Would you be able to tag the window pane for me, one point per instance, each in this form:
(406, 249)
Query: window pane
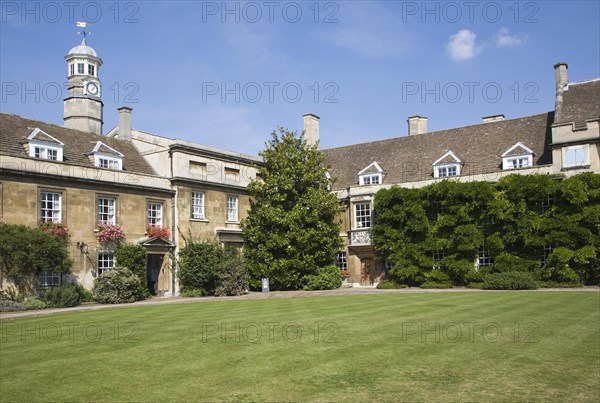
(155, 214)
(340, 261)
(106, 210)
(198, 205)
(106, 261)
(232, 208)
(50, 206)
(80, 69)
(362, 215)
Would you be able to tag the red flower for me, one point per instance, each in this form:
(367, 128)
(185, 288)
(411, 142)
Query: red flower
(158, 232)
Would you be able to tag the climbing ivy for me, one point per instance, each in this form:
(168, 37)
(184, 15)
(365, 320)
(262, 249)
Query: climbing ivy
(537, 223)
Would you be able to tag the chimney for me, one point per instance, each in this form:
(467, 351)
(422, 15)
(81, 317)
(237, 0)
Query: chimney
(493, 118)
(560, 75)
(311, 128)
(125, 123)
(417, 125)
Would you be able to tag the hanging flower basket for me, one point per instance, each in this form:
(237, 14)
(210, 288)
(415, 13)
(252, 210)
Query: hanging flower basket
(109, 234)
(55, 228)
(157, 231)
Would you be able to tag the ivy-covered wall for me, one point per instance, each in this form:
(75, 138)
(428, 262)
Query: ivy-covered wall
(453, 231)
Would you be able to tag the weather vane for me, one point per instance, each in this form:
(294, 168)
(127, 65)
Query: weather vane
(84, 32)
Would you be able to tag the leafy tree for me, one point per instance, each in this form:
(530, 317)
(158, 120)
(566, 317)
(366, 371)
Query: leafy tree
(199, 263)
(25, 252)
(290, 232)
(133, 257)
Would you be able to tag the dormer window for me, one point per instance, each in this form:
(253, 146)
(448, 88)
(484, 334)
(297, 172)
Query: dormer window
(44, 146)
(371, 175)
(517, 157)
(107, 157)
(448, 165)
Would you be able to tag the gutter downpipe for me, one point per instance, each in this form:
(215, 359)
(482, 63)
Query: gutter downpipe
(173, 227)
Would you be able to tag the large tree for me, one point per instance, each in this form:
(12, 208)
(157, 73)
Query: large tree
(290, 232)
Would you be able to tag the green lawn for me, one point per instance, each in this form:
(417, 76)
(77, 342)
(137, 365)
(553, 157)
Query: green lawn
(509, 346)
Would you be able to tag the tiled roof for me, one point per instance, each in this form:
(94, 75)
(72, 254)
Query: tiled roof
(410, 158)
(581, 101)
(14, 131)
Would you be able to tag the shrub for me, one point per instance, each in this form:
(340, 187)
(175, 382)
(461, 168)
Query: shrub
(512, 280)
(11, 306)
(34, 303)
(117, 286)
(437, 276)
(327, 278)
(199, 264)
(557, 284)
(85, 295)
(25, 252)
(133, 257)
(63, 296)
(506, 262)
(192, 293)
(233, 276)
(389, 285)
(436, 284)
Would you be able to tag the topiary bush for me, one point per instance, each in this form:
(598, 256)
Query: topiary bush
(62, 296)
(192, 293)
(133, 256)
(11, 306)
(117, 286)
(436, 285)
(34, 303)
(512, 280)
(390, 285)
(233, 276)
(199, 264)
(327, 278)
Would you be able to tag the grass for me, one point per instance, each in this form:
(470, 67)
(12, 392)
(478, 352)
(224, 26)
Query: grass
(509, 346)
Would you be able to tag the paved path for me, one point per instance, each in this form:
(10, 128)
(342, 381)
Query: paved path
(271, 295)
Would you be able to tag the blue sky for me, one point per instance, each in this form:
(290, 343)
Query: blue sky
(226, 74)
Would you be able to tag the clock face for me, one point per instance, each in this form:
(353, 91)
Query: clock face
(92, 88)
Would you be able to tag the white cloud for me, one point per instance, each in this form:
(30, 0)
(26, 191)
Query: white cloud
(504, 39)
(462, 46)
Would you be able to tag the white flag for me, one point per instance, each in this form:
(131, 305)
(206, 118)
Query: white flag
(81, 24)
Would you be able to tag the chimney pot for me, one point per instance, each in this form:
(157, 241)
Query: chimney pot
(311, 128)
(125, 123)
(417, 125)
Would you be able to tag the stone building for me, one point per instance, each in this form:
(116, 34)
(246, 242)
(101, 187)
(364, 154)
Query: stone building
(82, 178)
(564, 141)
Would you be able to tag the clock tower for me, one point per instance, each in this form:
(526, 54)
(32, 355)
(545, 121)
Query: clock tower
(83, 105)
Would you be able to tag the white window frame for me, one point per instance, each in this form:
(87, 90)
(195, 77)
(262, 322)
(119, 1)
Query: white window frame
(197, 204)
(107, 207)
(442, 171)
(232, 208)
(341, 260)
(106, 261)
(517, 161)
(80, 68)
(154, 214)
(111, 160)
(437, 257)
(371, 179)
(49, 279)
(54, 212)
(43, 147)
(584, 148)
(91, 70)
(72, 69)
(363, 215)
(484, 258)
(108, 162)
